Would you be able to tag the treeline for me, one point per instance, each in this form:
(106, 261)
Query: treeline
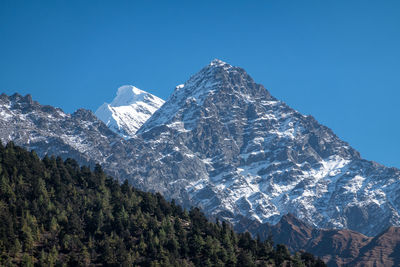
(56, 213)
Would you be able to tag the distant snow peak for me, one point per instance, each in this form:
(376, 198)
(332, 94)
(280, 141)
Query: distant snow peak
(129, 89)
(129, 110)
(128, 94)
(223, 143)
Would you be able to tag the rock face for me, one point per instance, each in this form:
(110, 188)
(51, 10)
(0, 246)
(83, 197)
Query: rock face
(129, 110)
(336, 247)
(383, 250)
(252, 156)
(223, 143)
(49, 130)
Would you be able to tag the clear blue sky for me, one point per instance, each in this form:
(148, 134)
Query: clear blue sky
(337, 60)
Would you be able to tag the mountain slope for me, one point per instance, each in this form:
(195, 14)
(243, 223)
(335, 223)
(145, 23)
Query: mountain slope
(383, 250)
(54, 212)
(129, 110)
(337, 247)
(49, 130)
(257, 158)
(223, 143)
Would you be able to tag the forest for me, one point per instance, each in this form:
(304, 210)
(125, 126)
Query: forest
(54, 212)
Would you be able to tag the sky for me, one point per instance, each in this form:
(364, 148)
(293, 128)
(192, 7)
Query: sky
(336, 60)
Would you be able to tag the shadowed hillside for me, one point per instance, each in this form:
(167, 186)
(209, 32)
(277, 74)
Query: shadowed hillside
(54, 212)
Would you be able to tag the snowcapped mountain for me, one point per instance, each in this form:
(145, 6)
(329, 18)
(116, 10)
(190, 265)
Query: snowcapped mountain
(224, 143)
(129, 110)
(258, 158)
(50, 131)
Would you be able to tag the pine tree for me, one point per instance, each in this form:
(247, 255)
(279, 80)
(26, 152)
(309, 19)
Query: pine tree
(56, 213)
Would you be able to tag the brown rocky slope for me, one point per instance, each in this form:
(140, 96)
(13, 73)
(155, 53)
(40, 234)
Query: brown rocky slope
(336, 247)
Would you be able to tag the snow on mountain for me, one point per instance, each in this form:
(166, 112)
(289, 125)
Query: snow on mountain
(224, 143)
(49, 130)
(260, 159)
(129, 110)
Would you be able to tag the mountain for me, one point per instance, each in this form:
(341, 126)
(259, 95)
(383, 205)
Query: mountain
(224, 143)
(57, 213)
(129, 110)
(252, 156)
(50, 131)
(337, 247)
(382, 250)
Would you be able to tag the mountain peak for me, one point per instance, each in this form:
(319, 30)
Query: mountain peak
(217, 82)
(129, 88)
(223, 143)
(216, 71)
(216, 75)
(129, 110)
(218, 62)
(128, 94)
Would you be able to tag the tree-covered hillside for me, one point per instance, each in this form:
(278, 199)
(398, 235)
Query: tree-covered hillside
(56, 213)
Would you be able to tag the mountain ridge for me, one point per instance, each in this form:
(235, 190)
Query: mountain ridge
(308, 148)
(336, 247)
(222, 142)
(55, 212)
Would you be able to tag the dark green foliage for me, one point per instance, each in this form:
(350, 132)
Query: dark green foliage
(55, 213)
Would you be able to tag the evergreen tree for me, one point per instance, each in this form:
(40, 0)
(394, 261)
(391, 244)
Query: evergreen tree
(56, 213)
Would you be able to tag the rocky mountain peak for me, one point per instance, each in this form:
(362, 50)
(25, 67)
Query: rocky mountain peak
(223, 143)
(218, 62)
(216, 87)
(48, 130)
(219, 75)
(26, 105)
(259, 158)
(17, 98)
